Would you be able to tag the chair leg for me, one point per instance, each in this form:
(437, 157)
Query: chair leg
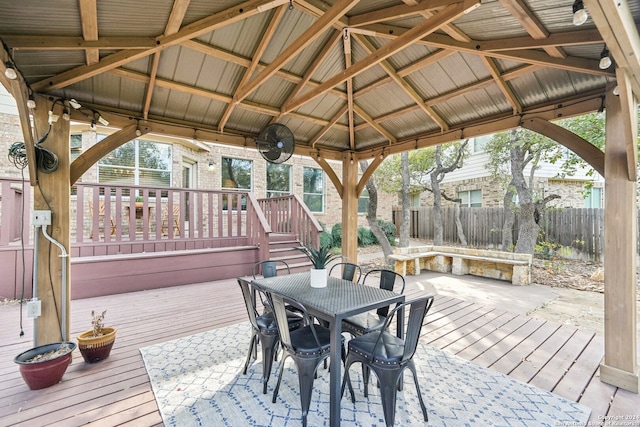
(412, 367)
(252, 345)
(346, 379)
(275, 390)
(388, 392)
(306, 373)
(269, 343)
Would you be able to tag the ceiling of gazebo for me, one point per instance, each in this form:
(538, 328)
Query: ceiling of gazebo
(344, 75)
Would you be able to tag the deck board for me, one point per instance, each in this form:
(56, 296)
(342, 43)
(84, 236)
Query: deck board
(557, 358)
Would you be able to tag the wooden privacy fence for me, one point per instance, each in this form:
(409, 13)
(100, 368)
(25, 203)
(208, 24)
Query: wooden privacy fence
(580, 232)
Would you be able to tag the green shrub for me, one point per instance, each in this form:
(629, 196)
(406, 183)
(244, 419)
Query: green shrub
(365, 237)
(336, 234)
(326, 239)
(389, 230)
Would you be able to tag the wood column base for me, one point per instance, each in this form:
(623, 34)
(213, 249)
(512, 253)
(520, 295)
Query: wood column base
(626, 380)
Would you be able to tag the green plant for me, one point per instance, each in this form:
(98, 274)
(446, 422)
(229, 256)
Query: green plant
(319, 257)
(336, 234)
(365, 237)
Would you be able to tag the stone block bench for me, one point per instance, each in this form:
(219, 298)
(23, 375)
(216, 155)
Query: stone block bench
(509, 266)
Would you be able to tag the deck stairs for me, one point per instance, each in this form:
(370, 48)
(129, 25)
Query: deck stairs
(282, 246)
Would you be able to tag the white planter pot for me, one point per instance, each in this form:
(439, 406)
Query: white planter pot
(318, 278)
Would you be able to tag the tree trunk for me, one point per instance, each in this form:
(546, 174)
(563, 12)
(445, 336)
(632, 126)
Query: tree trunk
(509, 220)
(527, 227)
(461, 236)
(372, 213)
(405, 224)
(437, 210)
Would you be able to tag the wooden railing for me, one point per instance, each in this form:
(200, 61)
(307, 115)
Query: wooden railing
(14, 218)
(288, 214)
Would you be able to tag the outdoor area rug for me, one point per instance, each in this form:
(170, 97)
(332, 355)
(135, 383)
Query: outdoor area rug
(198, 381)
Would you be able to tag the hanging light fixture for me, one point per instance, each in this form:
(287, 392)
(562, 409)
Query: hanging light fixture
(65, 114)
(580, 14)
(31, 103)
(75, 104)
(605, 60)
(10, 71)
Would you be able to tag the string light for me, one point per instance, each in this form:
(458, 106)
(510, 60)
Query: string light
(580, 14)
(605, 60)
(10, 71)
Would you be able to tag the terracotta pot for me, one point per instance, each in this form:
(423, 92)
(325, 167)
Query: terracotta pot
(44, 373)
(95, 349)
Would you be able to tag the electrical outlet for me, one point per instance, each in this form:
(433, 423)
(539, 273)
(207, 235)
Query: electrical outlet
(41, 218)
(34, 308)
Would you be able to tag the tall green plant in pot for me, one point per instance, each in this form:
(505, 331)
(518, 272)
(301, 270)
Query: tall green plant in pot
(319, 258)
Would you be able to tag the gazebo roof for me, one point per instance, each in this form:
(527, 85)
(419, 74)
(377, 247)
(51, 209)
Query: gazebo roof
(346, 76)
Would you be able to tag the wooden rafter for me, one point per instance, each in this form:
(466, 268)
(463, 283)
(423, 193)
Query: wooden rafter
(346, 40)
(531, 24)
(447, 15)
(313, 67)
(313, 32)
(218, 20)
(313, 141)
(405, 86)
(502, 85)
(374, 124)
(262, 46)
(89, 21)
(573, 38)
(450, 29)
(629, 111)
(396, 12)
(26, 43)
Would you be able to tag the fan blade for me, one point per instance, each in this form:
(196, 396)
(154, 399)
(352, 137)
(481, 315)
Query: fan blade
(272, 154)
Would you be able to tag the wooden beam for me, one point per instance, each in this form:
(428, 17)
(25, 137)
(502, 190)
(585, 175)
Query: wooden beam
(396, 12)
(583, 148)
(531, 24)
(504, 87)
(178, 10)
(450, 29)
(89, 20)
(620, 365)
(346, 39)
(313, 141)
(615, 22)
(151, 85)
(91, 156)
(53, 194)
(257, 54)
(51, 43)
(573, 38)
(447, 15)
(218, 20)
(350, 210)
(405, 86)
(374, 124)
(629, 106)
(326, 167)
(375, 162)
(306, 38)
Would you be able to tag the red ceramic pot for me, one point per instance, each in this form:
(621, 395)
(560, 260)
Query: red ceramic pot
(44, 373)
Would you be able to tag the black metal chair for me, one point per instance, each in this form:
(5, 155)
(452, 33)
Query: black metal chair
(264, 329)
(307, 346)
(269, 268)
(365, 323)
(388, 356)
(350, 271)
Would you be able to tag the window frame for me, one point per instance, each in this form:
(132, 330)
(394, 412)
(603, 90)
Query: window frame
(278, 193)
(321, 194)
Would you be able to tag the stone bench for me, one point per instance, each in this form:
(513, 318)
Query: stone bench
(512, 267)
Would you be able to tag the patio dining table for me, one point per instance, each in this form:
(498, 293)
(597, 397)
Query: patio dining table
(337, 301)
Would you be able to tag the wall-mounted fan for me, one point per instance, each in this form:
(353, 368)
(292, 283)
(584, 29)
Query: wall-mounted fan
(276, 143)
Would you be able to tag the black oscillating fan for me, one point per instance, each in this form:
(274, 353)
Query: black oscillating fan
(276, 143)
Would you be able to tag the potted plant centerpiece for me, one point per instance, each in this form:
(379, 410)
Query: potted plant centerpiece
(44, 366)
(319, 258)
(95, 344)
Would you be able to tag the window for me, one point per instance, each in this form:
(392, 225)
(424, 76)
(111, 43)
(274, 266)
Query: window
(313, 189)
(137, 163)
(363, 201)
(75, 145)
(236, 173)
(471, 198)
(414, 200)
(593, 198)
(479, 143)
(278, 180)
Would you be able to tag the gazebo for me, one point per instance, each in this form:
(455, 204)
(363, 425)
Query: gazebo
(352, 79)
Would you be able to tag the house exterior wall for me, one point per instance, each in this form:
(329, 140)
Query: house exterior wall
(10, 132)
(474, 176)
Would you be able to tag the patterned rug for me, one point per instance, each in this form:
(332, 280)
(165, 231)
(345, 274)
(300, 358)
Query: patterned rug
(198, 381)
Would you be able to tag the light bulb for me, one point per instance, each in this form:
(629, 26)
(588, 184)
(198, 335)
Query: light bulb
(65, 115)
(75, 104)
(103, 121)
(616, 91)
(93, 125)
(138, 132)
(31, 103)
(580, 14)
(53, 117)
(605, 63)
(10, 72)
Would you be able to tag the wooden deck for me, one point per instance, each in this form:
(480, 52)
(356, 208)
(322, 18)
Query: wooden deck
(117, 391)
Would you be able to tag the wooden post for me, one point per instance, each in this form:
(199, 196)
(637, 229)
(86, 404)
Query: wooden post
(350, 210)
(620, 366)
(53, 194)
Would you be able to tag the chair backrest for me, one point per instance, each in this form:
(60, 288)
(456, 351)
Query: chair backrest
(280, 311)
(248, 302)
(389, 280)
(350, 271)
(269, 268)
(418, 309)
